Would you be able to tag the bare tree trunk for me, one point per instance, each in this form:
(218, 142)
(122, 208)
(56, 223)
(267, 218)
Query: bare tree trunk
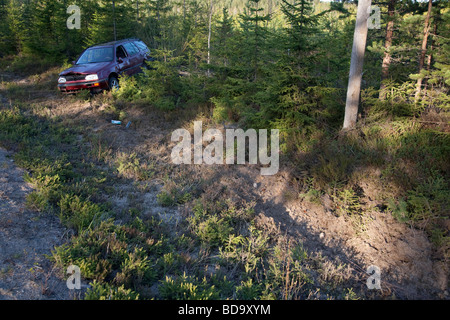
(356, 64)
(387, 47)
(426, 32)
(209, 33)
(137, 10)
(114, 19)
(430, 56)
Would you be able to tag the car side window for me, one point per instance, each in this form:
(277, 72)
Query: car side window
(120, 52)
(136, 48)
(132, 50)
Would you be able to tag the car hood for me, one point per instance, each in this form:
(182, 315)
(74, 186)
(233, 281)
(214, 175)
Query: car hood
(87, 68)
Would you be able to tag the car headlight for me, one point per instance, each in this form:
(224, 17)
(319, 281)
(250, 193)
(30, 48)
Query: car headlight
(62, 80)
(92, 77)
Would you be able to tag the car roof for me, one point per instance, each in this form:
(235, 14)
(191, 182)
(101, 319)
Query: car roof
(112, 43)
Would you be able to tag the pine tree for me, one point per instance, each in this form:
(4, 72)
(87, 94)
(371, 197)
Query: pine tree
(6, 43)
(302, 21)
(222, 47)
(255, 33)
(157, 24)
(46, 32)
(15, 24)
(112, 17)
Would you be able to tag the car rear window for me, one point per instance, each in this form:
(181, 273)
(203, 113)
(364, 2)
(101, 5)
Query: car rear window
(131, 49)
(141, 45)
(95, 55)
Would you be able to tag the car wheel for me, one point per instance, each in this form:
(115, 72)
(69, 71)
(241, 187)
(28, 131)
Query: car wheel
(113, 84)
(146, 65)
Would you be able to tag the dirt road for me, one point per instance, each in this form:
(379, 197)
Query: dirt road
(25, 238)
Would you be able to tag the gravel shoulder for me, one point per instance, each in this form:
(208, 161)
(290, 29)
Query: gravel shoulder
(26, 237)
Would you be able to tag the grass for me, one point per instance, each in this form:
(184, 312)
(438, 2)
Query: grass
(127, 258)
(412, 159)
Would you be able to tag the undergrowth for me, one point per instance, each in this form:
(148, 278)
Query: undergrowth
(216, 253)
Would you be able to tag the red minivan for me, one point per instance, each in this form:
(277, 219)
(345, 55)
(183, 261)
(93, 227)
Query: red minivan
(100, 66)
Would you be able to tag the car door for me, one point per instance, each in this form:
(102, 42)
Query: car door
(134, 56)
(145, 51)
(123, 60)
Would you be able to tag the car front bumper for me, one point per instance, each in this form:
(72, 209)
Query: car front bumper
(74, 86)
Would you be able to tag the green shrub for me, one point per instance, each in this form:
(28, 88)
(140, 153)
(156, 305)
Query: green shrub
(331, 170)
(245, 252)
(173, 195)
(214, 231)
(427, 202)
(286, 274)
(78, 213)
(129, 89)
(249, 290)
(346, 202)
(187, 288)
(48, 188)
(37, 201)
(135, 269)
(105, 291)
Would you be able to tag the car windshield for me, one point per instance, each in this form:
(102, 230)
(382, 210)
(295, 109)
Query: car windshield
(96, 55)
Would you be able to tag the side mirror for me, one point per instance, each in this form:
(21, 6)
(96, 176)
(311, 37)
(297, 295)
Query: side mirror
(119, 60)
(73, 62)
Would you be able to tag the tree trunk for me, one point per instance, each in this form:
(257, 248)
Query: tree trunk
(356, 64)
(137, 10)
(209, 33)
(426, 32)
(114, 19)
(387, 47)
(430, 56)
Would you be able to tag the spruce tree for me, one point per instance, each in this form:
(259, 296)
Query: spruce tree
(46, 32)
(109, 16)
(6, 43)
(15, 30)
(255, 33)
(156, 26)
(302, 23)
(222, 47)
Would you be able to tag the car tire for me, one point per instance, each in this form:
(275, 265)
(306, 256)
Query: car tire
(145, 66)
(113, 83)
